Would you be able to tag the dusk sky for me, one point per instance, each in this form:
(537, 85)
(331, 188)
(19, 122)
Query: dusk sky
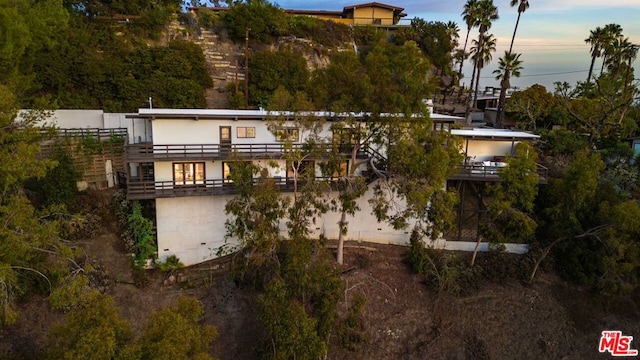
(550, 35)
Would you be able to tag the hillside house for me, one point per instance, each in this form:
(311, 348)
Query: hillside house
(373, 13)
(182, 164)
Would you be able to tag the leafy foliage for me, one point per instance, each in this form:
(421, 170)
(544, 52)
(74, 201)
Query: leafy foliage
(33, 257)
(270, 70)
(59, 185)
(94, 330)
(174, 333)
(321, 32)
(141, 230)
(265, 21)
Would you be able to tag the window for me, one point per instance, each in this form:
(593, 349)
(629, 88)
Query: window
(287, 134)
(345, 138)
(188, 173)
(245, 132)
(341, 171)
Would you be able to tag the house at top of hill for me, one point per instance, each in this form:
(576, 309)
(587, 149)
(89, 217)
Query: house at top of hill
(372, 13)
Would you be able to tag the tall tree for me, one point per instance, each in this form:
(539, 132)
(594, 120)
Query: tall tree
(470, 18)
(32, 254)
(611, 33)
(523, 5)
(509, 65)
(510, 215)
(487, 14)
(596, 39)
(482, 55)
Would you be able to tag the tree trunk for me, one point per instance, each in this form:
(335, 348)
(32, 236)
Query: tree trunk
(591, 232)
(504, 84)
(544, 254)
(513, 37)
(341, 225)
(464, 50)
(475, 251)
(593, 61)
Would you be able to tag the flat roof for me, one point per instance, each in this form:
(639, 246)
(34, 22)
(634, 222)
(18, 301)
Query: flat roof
(254, 114)
(493, 134)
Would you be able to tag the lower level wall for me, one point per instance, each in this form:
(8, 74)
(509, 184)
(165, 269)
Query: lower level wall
(193, 229)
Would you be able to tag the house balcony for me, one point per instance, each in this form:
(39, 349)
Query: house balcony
(147, 152)
(489, 171)
(146, 190)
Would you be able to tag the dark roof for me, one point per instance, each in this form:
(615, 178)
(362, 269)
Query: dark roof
(374, 4)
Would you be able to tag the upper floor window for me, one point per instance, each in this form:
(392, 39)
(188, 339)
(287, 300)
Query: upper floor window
(287, 134)
(245, 132)
(188, 173)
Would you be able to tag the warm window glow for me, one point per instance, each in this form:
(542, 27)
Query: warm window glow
(287, 134)
(188, 173)
(245, 132)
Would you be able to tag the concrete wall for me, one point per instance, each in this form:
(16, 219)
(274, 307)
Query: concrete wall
(75, 119)
(191, 228)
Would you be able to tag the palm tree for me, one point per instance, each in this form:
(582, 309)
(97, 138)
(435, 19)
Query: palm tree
(509, 65)
(522, 7)
(487, 12)
(482, 54)
(469, 16)
(612, 32)
(620, 51)
(596, 40)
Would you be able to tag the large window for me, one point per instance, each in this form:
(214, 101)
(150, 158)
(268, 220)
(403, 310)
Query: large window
(287, 134)
(188, 173)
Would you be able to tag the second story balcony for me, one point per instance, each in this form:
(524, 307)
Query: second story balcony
(148, 152)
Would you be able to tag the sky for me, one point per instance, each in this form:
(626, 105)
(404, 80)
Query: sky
(550, 35)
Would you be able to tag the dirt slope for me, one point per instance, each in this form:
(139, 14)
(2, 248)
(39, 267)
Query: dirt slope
(403, 318)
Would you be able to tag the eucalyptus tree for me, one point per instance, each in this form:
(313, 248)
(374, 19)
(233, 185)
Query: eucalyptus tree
(509, 65)
(470, 18)
(482, 51)
(523, 5)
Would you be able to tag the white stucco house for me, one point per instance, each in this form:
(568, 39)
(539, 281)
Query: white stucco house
(179, 159)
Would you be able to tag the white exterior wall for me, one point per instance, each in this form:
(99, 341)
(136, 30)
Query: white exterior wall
(191, 228)
(487, 149)
(70, 119)
(207, 131)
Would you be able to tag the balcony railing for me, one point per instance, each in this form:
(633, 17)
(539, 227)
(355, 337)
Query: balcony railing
(149, 152)
(480, 171)
(139, 190)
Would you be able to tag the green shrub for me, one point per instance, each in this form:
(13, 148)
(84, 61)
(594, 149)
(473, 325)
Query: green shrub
(351, 329)
(170, 265)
